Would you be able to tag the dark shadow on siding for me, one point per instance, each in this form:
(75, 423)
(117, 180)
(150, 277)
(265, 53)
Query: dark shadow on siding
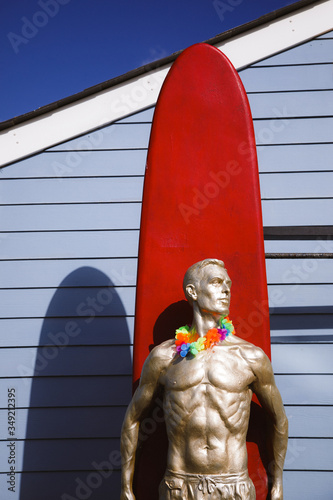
(309, 324)
(79, 395)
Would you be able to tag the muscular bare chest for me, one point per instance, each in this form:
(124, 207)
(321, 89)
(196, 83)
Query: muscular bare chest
(222, 367)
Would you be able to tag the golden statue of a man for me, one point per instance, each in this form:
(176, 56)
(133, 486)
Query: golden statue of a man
(208, 376)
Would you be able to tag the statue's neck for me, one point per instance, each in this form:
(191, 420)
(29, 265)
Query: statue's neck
(204, 321)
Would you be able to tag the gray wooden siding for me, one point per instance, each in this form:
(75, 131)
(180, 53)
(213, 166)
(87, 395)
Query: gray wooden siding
(68, 259)
(291, 99)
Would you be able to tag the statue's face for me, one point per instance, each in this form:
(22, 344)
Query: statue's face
(213, 290)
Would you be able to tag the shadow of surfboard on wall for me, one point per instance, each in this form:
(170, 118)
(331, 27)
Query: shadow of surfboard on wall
(79, 393)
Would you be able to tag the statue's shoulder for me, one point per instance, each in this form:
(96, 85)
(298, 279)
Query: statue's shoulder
(164, 347)
(163, 352)
(250, 352)
(158, 361)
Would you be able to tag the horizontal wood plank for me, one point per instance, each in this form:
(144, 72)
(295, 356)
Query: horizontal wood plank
(63, 455)
(302, 296)
(115, 136)
(66, 361)
(305, 359)
(89, 244)
(79, 217)
(65, 423)
(64, 485)
(31, 332)
(67, 302)
(299, 271)
(114, 189)
(294, 131)
(45, 392)
(309, 454)
(305, 389)
(310, 212)
(295, 158)
(313, 52)
(299, 246)
(305, 321)
(297, 232)
(291, 104)
(319, 334)
(68, 273)
(310, 421)
(78, 164)
(287, 78)
(299, 485)
(296, 185)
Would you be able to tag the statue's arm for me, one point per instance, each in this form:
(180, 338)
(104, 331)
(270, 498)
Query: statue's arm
(136, 412)
(269, 396)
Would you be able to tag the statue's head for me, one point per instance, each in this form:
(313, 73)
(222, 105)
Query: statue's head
(207, 286)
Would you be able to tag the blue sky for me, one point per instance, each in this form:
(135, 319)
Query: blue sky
(51, 49)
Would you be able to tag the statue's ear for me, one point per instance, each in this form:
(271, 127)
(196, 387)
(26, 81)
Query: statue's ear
(191, 292)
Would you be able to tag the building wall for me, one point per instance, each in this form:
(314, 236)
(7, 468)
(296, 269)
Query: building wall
(68, 247)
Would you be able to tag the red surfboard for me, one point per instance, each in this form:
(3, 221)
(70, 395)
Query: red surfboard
(201, 200)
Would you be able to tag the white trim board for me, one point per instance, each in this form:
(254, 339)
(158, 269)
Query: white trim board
(285, 33)
(137, 94)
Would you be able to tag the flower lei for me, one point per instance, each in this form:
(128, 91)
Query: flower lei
(188, 341)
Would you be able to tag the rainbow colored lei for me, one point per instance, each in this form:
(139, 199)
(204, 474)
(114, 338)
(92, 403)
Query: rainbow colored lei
(188, 341)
